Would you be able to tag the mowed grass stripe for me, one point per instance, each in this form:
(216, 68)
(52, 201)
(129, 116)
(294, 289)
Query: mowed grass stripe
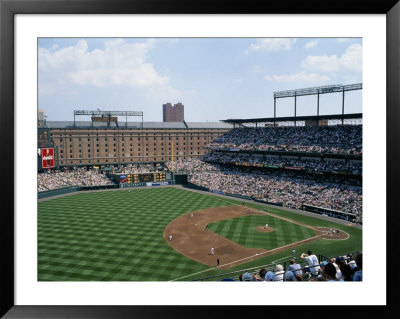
(242, 231)
(88, 232)
(118, 235)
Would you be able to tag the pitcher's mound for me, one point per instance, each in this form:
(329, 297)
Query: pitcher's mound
(262, 229)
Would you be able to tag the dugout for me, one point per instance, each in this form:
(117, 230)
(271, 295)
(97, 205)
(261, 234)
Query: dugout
(329, 212)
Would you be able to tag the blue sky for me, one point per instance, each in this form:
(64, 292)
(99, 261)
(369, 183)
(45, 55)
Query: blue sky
(215, 78)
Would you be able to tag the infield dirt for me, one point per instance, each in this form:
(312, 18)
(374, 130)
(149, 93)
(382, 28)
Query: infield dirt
(191, 238)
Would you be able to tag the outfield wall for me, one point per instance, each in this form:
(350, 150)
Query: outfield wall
(55, 192)
(67, 190)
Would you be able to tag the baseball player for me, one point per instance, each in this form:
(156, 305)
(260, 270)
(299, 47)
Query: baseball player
(212, 251)
(191, 215)
(294, 253)
(170, 237)
(266, 226)
(217, 262)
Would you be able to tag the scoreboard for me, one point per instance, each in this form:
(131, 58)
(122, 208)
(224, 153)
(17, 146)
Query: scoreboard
(145, 178)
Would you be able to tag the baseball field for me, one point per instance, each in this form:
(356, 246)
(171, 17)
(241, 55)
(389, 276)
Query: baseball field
(123, 235)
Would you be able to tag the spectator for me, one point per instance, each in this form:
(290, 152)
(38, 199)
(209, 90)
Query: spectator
(269, 276)
(262, 273)
(358, 274)
(337, 262)
(289, 276)
(296, 268)
(321, 276)
(330, 273)
(346, 271)
(279, 273)
(247, 276)
(313, 263)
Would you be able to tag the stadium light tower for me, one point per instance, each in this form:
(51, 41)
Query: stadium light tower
(108, 116)
(337, 88)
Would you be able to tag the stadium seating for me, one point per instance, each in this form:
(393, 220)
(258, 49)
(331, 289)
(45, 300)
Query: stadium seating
(76, 177)
(346, 139)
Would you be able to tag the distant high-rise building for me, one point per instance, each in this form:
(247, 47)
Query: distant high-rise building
(41, 116)
(173, 113)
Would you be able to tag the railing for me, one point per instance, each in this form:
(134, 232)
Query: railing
(270, 267)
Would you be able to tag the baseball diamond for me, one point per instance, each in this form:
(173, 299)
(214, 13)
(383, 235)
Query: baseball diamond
(192, 241)
(228, 186)
(123, 235)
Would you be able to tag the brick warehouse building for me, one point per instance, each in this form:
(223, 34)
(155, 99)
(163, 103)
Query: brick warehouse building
(90, 143)
(174, 113)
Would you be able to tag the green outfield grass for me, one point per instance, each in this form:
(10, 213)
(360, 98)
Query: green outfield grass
(242, 231)
(118, 235)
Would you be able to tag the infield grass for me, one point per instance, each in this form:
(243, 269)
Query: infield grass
(242, 231)
(118, 235)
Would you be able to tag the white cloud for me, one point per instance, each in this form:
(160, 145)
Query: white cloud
(271, 45)
(342, 39)
(311, 44)
(322, 63)
(351, 59)
(191, 92)
(298, 77)
(119, 63)
(172, 40)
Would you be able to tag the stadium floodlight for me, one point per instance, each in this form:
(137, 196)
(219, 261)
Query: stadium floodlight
(108, 113)
(108, 116)
(318, 90)
(337, 88)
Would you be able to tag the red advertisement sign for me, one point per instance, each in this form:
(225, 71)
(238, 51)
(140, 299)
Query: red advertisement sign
(47, 157)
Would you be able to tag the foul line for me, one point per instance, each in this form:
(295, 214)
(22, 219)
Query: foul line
(280, 247)
(256, 255)
(268, 251)
(274, 262)
(196, 273)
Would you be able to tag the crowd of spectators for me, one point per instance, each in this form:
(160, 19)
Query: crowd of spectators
(50, 180)
(290, 181)
(316, 165)
(340, 139)
(290, 192)
(190, 165)
(341, 268)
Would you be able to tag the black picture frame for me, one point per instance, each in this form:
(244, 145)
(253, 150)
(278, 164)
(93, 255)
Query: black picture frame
(8, 8)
